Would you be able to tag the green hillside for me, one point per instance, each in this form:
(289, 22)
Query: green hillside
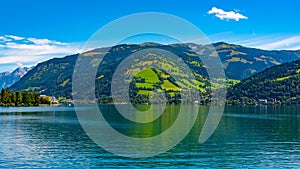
(54, 77)
(279, 84)
(148, 79)
(242, 62)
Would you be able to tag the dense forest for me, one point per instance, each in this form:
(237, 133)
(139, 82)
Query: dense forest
(278, 85)
(19, 98)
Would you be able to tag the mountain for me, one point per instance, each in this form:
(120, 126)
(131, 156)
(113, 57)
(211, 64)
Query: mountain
(278, 84)
(7, 79)
(242, 62)
(54, 77)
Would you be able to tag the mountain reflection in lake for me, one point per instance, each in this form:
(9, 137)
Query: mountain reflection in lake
(247, 137)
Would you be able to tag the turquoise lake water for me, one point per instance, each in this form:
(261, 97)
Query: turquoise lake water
(247, 137)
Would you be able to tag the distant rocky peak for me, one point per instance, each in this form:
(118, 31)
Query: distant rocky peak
(9, 78)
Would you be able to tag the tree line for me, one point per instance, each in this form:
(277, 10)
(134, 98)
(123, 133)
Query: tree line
(21, 98)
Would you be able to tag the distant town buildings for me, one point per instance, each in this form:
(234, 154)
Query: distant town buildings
(48, 99)
(53, 100)
(263, 101)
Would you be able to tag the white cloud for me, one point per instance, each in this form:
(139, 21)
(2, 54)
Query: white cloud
(265, 42)
(221, 14)
(290, 43)
(14, 37)
(30, 51)
(39, 41)
(19, 64)
(273, 42)
(45, 41)
(4, 39)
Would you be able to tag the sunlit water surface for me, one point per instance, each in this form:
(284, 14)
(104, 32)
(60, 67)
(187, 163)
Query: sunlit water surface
(247, 137)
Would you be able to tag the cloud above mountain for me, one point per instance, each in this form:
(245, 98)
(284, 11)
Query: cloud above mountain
(223, 15)
(16, 50)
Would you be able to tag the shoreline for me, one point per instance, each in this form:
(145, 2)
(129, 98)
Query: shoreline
(226, 105)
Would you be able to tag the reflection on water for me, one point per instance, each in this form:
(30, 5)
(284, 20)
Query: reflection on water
(247, 137)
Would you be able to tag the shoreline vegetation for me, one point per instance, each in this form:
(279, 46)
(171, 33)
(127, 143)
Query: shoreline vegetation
(70, 105)
(32, 99)
(18, 99)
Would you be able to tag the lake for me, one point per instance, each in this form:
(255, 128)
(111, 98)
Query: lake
(247, 137)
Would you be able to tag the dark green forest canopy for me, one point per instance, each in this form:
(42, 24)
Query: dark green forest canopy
(19, 98)
(278, 84)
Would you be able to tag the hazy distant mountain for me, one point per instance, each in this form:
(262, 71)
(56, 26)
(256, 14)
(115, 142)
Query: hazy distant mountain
(9, 78)
(54, 77)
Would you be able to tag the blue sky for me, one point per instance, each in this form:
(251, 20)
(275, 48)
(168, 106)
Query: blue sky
(34, 31)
